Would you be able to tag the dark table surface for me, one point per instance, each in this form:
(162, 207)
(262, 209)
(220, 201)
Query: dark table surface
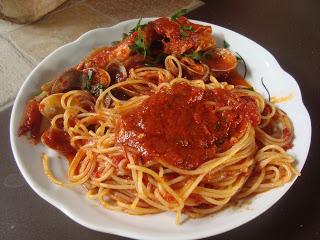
(290, 30)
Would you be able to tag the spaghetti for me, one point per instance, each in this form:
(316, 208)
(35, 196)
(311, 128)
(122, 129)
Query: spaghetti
(156, 141)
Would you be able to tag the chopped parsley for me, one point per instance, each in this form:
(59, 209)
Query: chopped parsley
(187, 28)
(195, 55)
(160, 58)
(139, 45)
(115, 42)
(156, 60)
(198, 56)
(138, 26)
(179, 13)
(88, 80)
(90, 72)
(98, 89)
(124, 35)
(38, 93)
(250, 89)
(226, 44)
(184, 34)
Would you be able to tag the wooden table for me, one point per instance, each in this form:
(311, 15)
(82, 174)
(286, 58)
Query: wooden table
(290, 30)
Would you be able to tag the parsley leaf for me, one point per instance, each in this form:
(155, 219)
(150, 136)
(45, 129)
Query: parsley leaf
(138, 26)
(183, 34)
(38, 93)
(115, 42)
(124, 35)
(179, 13)
(198, 56)
(250, 89)
(160, 58)
(139, 45)
(195, 55)
(188, 28)
(98, 89)
(226, 44)
(90, 72)
(154, 61)
(88, 81)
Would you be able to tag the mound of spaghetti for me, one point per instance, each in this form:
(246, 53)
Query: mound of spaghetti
(186, 135)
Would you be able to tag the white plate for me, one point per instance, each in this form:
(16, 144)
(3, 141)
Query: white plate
(161, 226)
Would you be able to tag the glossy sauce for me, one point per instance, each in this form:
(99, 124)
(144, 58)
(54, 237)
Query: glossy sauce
(186, 126)
(59, 140)
(178, 39)
(236, 79)
(221, 59)
(31, 121)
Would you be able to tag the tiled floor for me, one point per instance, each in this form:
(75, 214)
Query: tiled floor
(22, 47)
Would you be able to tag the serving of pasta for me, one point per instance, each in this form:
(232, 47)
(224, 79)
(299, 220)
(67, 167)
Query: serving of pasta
(162, 121)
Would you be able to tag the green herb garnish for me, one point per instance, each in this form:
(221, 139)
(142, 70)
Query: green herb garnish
(250, 89)
(160, 58)
(187, 28)
(124, 35)
(155, 61)
(179, 13)
(38, 93)
(88, 81)
(183, 34)
(99, 88)
(115, 42)
(139, 45)
(195, 55)
(226, 44)
(198, 56)
(138, 26)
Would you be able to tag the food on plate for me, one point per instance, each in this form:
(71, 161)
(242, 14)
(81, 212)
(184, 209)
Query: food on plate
(162, 121)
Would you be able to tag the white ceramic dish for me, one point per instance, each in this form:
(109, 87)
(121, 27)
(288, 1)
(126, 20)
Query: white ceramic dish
(162, 226)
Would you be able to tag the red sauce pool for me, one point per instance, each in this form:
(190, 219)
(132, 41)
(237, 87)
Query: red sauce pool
(186, 126)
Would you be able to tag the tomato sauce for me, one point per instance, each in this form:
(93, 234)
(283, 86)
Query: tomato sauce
(59, 140)
(181, 35)
(31, 120)
(221, 60)
(236, 79)
(186, 126)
